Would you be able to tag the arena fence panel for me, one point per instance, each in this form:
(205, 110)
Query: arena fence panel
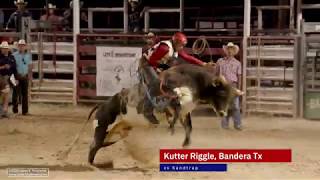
(52, 67)
(310, 68)
(271, 75)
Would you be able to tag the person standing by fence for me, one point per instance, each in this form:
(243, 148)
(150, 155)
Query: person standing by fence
(50, 16)
(7, 69)
(230, 68)
(24, 74)
(15, 20)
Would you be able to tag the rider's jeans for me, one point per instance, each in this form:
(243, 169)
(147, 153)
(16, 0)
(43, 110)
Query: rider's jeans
(153, 84)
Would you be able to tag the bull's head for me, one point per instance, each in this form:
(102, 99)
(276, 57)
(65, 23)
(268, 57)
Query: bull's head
(222, 95)
(123, 96)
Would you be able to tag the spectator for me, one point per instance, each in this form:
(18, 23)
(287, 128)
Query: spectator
(230, 68)
(24, 75)
(150, 39)
(15, 20)
(68, 18)
(7, 69)
(135, 14)
(51, 17)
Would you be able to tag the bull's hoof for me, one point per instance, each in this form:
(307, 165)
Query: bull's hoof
(186, 143)
(90, 159)
(172, 130)
(92, 154)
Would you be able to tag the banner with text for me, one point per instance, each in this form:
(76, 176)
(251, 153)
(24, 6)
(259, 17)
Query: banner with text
(225, 155)
(116, 68)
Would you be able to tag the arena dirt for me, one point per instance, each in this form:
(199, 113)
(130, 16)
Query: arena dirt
(37, 140)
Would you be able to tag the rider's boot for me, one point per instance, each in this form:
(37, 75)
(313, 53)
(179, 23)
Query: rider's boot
(151, 118)
(148, 112)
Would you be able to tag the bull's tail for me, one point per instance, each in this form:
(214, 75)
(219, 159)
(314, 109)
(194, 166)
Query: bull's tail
(92, 111)
(64, 154)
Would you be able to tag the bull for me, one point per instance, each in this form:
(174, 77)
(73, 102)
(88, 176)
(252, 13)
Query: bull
(194, 84)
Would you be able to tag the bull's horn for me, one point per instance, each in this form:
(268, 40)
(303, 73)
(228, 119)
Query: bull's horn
(220, 79)
(223, 79)
(238, 92)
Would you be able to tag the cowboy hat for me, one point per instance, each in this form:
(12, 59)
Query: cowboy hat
(150, 34)
(4, 45)
(51, 6)
(22, 42)
(232, 46)
(20, 2)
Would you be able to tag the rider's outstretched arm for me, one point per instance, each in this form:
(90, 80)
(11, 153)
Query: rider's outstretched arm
(193, 60)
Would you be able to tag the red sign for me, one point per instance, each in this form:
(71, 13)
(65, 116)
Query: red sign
(225, 155)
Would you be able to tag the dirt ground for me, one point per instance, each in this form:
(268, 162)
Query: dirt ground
(37, 140)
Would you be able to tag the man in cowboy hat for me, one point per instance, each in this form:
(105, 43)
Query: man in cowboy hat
(51, 17)
(150, 39)
(15, 20)
(67, 20)
(7, 69)
(24, 75)
(230, 68)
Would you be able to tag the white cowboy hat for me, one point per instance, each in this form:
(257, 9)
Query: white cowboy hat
(51, 6)
(150, 35)
(22, 42)
(232, 46)
(20, 2)
(130, 1)
(4, 45)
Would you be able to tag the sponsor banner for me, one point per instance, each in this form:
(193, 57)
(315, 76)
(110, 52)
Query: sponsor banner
(225, 155)
(116, 69)
(193, 167)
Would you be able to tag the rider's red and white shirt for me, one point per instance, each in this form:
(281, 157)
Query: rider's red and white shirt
(162, 51)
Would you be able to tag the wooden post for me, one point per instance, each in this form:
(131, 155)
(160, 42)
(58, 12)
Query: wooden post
(299, 16)
(76, 31)
(146, 21)
(291, 22)
(246, 35)
(90, 20)
(282, 13)
(125, 16)
(260, 19)
(302, 60)
(296, 69)
(181, 25)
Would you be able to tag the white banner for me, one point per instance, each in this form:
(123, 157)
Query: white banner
(116, 69)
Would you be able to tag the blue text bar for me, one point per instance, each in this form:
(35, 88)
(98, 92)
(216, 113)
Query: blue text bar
(193, 167)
